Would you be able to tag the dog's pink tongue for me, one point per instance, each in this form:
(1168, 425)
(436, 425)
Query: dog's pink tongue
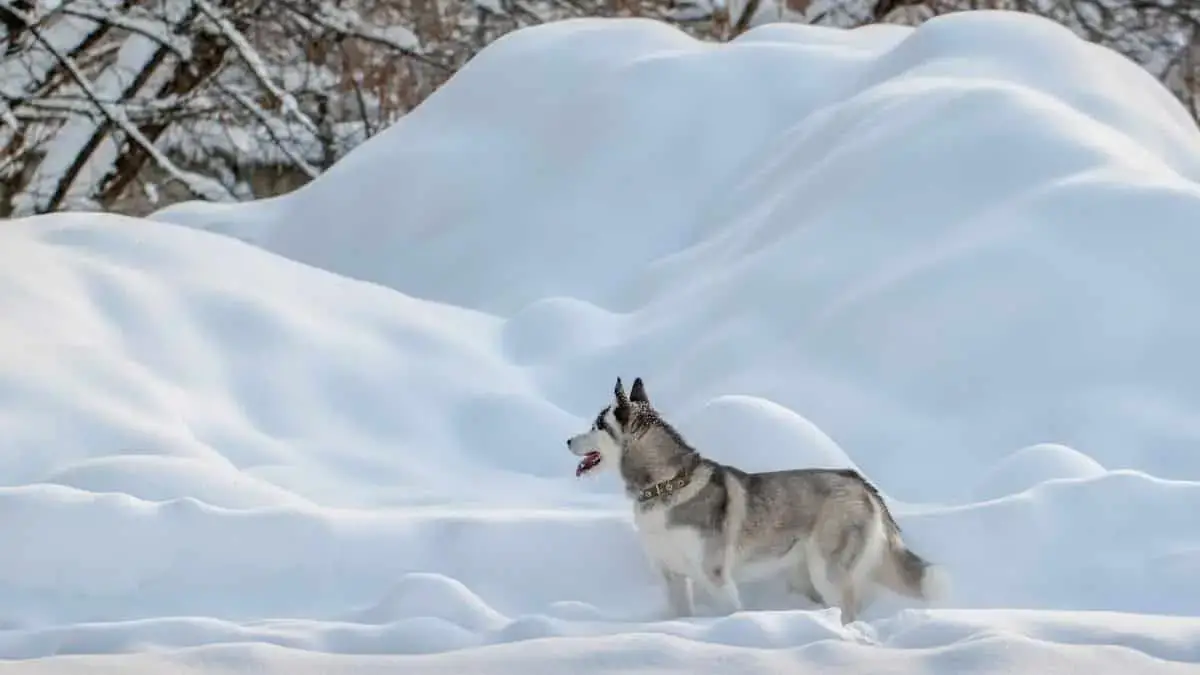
(589, 460)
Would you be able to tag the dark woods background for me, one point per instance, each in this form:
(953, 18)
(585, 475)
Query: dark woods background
(130, 105)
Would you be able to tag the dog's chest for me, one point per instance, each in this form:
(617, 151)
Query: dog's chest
(679, 549)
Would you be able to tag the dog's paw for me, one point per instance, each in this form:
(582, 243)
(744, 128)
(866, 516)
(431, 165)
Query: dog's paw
(860, 632)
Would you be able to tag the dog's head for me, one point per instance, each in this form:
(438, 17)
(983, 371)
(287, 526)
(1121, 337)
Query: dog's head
(602, 444)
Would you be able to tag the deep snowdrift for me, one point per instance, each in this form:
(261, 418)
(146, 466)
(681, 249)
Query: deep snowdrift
(959, 258)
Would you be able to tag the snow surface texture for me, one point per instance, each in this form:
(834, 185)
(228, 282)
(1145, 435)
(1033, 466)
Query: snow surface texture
(960, 258)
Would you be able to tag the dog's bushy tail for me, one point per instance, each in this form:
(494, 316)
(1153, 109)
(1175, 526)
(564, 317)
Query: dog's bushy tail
(907, 573)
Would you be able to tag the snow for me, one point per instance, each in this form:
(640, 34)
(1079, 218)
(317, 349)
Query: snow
(324, 432)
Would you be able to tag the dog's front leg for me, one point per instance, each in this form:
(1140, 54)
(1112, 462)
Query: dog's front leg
(679, 593)
(717, 575)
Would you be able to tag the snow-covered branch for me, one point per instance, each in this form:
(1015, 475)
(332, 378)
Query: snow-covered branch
(199, 186)
(119, 104)
(106, 101)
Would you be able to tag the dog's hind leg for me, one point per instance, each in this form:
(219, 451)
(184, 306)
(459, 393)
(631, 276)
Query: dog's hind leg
(850, 602)
(832, 555)
(800, 582)
(856, 557)
(818, 573)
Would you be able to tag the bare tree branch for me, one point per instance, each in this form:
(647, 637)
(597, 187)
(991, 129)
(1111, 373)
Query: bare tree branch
(201, 188)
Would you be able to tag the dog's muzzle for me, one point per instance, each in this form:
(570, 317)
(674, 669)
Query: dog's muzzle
(573, 444)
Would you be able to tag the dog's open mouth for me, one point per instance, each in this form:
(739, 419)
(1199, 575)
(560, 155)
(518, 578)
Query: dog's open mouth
(589, 462)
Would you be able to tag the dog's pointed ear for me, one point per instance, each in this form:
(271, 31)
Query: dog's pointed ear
(638, 393)
(619, 394)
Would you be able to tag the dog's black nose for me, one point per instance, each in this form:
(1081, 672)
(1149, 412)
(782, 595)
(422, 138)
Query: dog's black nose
(568, 442)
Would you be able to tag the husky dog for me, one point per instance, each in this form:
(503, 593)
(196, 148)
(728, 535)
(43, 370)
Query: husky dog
(706, 523)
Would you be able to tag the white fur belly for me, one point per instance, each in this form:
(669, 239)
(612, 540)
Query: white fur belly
(678, 549)
(758, 569)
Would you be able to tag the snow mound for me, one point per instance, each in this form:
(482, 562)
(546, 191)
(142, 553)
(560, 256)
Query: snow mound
(271, 384)
(950, 299)
(759, 435)
(1034, 465)
(162, 478)
(325, 431)
(554, 329)
(417, 594)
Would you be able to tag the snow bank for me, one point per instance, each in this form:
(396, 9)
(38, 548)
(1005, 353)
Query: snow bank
(340, 439)
(977, 235)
